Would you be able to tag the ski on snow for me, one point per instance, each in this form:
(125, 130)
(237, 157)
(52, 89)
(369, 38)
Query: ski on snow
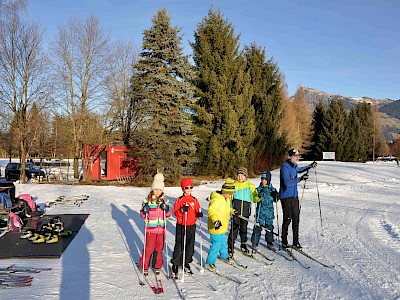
(238, 265)
(181, 290)
(154, 288)
(12, 269)
(224, 276)
(290, 253)
(278, 252)
(252, 256)
(314, 259)
(76, 200)
(14, 278)
(14, 283)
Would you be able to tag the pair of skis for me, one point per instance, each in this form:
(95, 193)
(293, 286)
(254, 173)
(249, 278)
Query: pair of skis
(75, 200)
(313, 258)
(14, 269)
(156, 288)
(10, 276)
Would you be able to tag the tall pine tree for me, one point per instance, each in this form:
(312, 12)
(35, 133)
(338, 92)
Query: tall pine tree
(332, 137)
(316, 148)
(224, 115)
(162, 82)
(269, 144)
(354, 149)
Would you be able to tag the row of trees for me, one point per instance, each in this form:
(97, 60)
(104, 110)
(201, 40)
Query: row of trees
(226, 108)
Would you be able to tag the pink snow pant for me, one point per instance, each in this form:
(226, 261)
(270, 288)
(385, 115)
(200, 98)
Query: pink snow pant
(154, 245)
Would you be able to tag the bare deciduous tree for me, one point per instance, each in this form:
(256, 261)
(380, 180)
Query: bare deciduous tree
(23, 73)
(124, 113)
(80, 58)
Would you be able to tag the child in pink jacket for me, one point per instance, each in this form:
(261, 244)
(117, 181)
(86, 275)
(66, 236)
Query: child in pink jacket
(154, 208)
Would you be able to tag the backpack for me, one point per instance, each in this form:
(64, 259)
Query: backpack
(5, 201)
(30, 209)
(29, 200)
(15, 222)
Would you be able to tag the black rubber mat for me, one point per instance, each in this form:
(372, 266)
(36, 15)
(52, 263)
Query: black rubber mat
(12, 246)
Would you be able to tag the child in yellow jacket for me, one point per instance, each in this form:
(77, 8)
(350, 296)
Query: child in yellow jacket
(219, 212)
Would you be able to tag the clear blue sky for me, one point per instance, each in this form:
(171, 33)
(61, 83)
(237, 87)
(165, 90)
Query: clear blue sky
(346, 47)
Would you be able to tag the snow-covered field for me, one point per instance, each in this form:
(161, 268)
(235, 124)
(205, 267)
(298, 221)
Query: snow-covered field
(360, 206)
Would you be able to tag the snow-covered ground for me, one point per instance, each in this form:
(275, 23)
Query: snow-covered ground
(360, 207)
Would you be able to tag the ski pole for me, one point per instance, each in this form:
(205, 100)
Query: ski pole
(201, 249)
(256, 224)
(144, 248)
(166, 244)
(184, 250)
(302, 193)
(319, 202)
(277, 220)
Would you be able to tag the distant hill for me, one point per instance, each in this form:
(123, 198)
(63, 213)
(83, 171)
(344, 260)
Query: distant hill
(390, 109)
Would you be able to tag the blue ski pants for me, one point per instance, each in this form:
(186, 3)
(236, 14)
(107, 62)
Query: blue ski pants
(219, 246)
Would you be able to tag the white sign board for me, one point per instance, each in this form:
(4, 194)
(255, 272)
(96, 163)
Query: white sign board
(328, 155)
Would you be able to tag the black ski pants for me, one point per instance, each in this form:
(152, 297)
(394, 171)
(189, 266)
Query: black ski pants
(177, 256)
(239, 225)
(291, 214)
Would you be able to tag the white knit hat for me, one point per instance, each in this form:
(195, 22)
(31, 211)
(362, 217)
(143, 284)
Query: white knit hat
(158, 182)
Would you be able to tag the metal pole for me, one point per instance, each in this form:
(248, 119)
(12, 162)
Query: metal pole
(319, 202)
(166, 244)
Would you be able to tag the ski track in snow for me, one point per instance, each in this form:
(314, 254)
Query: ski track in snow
(360, 236)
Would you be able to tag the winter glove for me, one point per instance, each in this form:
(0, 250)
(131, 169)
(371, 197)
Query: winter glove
(313, 164)
(217, 224)
(146, 209)
(185, 208)
(199, 214)
(164, 206)
(304, 177)
(275, 195)
(235, 213)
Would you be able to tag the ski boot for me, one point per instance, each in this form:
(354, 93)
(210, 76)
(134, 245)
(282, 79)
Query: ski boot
(271, 247)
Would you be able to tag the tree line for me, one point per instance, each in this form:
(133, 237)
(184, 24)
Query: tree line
(207, 113)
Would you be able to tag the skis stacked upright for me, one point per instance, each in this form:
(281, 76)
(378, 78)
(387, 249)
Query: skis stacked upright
(74, 200)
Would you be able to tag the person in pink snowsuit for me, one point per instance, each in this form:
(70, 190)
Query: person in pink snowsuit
(155, 209)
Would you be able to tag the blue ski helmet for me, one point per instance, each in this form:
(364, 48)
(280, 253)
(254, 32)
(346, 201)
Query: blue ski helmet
(266, 174)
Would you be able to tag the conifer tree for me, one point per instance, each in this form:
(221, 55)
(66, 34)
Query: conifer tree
(162, 83)
(269, 144)
(224, 115)
(316, 148)
(354, 149)
(367, 128)
(332, 135)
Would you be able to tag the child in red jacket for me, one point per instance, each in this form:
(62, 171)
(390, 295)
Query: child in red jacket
(187, 210)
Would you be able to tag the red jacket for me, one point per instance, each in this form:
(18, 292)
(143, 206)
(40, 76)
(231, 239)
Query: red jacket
(194, 208)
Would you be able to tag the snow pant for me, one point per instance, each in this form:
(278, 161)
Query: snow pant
(218, 246)
(291, 213)
(154, 246)
(239, 225)
(269, 236)
(177, 256)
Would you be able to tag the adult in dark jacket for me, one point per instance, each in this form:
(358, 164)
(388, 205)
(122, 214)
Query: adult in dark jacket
(289, 196)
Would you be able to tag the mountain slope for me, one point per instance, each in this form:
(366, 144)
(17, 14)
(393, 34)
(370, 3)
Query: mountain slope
(390, 109)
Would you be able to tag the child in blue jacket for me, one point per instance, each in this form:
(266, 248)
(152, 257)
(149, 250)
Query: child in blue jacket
(265, 212)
